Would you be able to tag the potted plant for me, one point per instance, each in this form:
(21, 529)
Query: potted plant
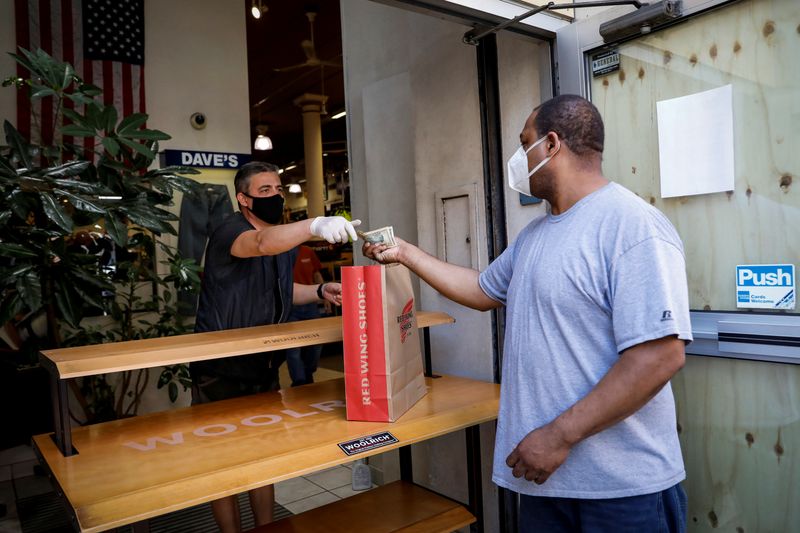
(50, 190)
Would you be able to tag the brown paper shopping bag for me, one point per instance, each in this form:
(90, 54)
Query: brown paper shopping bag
(383, 372)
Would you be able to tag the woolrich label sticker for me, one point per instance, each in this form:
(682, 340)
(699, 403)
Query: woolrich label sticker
(365, 444)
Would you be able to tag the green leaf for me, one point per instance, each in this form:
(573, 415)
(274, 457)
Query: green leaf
(140, 148)
(148, 220)
(7, 168)
(82, 186)
(8, 249)
(4, 217)
(68, 303)
(76, 130)
(68, 169)
(117, 229)
(18, 145)
(131, 123)
(9, 276)
(88, 296)
(55, 212)
(26, 59)
(90, 90)
(111, 145)
(41, 91)
(68, 77)
(11, 306)
(79, 202)
(109, 118)
(79, 98)
(94, 116)
(74, 116)
(29, 288)
(148, 135)
(90, 278)
(21, 203)
(173, 391)
(112, 164)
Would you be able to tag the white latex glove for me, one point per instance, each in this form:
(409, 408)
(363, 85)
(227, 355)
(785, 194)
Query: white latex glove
(334, 229)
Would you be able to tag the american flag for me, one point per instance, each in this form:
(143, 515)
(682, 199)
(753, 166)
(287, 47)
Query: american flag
(102, 39)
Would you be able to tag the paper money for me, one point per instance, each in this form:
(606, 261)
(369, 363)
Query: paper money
(379, 236)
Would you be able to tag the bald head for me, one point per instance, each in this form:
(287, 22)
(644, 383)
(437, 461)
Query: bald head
(576, 121)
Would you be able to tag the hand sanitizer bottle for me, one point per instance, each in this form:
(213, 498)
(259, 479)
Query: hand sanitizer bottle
(362, 478)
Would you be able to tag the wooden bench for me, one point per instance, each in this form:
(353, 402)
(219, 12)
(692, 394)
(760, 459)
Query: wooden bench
(127, 471)
(80, 361)
(398, 507)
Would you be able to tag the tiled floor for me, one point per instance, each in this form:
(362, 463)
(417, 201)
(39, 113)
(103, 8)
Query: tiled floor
(304, 493)
(18, 480)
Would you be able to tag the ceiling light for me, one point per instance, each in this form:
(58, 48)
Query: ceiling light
(280, 171)
(290, 167)
(295, 188)
(257, 9)
(262, 141)
(339, 115)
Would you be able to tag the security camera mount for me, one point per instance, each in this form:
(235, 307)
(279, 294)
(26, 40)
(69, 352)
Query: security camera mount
(198, 121)
(643, 20)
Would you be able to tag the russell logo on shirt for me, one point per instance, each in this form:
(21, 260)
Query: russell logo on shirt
(666, 315)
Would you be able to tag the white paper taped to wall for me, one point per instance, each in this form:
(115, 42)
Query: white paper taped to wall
(695, 143)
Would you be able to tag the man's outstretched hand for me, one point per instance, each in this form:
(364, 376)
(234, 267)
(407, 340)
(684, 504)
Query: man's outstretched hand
(382, 253)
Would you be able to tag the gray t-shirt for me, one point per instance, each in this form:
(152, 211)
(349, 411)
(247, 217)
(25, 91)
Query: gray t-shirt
(580, 288)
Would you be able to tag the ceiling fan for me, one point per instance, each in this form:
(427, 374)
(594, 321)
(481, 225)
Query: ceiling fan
(310, 50)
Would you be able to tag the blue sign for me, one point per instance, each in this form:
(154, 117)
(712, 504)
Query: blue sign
(191, 158)
(765, 286)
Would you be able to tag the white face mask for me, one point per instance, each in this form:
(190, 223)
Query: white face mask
(518, 175)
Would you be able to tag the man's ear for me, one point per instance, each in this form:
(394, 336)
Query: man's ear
(553, 142)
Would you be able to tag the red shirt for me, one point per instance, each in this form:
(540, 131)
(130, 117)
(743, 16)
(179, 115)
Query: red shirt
(306, 264)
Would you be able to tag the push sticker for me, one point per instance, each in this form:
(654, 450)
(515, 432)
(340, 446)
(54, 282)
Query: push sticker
(765, 287)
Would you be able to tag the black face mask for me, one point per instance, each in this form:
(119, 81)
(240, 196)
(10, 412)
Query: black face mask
(269, 208)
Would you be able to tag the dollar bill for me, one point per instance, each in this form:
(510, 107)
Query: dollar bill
(379, 236)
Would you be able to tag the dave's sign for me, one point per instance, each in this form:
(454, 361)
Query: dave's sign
(190, 158)
(765, 286)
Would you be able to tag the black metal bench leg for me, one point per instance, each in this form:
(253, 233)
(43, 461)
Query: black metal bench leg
(60, 396)
(474, 477)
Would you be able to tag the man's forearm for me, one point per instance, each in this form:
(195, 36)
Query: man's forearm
(640, 374)
(452, 281)
(278, 239)
(304, 294)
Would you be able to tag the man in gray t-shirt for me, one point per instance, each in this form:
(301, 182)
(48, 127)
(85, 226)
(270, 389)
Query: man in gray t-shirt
(597, 319)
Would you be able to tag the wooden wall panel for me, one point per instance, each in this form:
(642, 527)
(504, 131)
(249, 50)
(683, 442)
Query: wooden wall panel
(739, 424)
(751, 44)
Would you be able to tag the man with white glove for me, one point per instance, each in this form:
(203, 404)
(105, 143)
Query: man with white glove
(248, 281)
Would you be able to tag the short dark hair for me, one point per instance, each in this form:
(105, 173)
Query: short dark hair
(576, 121)
(242, 180)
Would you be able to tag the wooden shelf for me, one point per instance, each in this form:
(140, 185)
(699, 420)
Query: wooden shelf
(137, 468)
(393, 508)
(147, 353)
